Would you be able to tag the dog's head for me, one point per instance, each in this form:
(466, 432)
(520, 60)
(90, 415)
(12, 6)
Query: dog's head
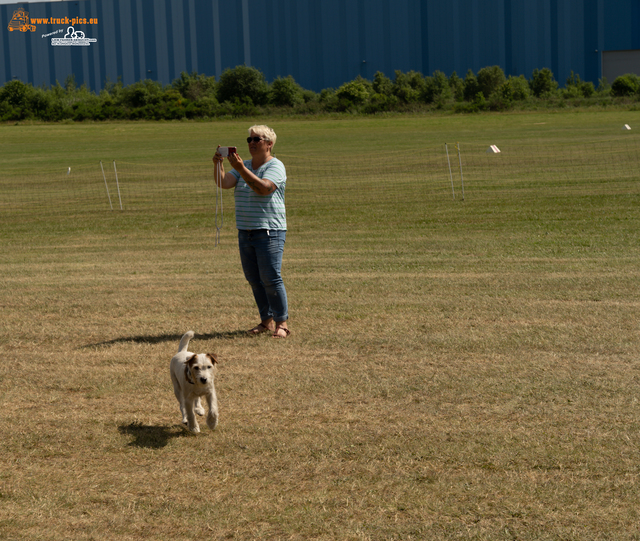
(198, 368)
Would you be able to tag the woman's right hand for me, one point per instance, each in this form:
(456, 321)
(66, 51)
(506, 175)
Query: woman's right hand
(217, 157)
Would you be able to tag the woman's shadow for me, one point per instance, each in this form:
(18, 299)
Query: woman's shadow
(149, 339)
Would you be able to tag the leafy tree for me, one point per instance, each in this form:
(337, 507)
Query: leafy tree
(244, 107)
(515, 89)
(285, 92)
(88, 108)
(70, 83)
(141, 93)
(471, 87)
(409, 87)
(327, 94)
(587, 88)
(15, 93)
(625, 85)
(542, 82)
(309, 96)
(242, 82)
(39, 103)
(436, 88)
(479, 102)
(603, 86)
(490, 79)
(354, 92)
(245, 90)
(382, 84)
(457, 86)
(380, 102)
(576, 88)
(194, 86)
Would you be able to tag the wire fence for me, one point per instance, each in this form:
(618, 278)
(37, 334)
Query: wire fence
(375, 180)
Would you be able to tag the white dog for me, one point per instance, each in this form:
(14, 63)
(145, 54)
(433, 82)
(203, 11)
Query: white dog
(192, 376)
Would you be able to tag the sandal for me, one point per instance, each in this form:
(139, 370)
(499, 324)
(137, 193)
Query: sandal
(259, 329)
(287, 332)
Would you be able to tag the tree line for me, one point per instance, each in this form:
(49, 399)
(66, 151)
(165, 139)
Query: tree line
(244, 91)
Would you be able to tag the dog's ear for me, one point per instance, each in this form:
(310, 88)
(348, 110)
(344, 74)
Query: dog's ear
(187, 374)
(213, 357)
(191, 360)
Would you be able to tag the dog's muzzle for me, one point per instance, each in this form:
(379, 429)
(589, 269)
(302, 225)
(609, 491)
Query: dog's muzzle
(203, 380)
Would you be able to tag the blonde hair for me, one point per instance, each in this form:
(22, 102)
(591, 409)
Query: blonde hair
(265, 132)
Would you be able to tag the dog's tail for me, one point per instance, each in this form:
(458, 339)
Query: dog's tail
(184, 343)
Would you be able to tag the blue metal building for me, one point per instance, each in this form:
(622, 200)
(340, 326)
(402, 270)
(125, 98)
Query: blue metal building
(320, 43)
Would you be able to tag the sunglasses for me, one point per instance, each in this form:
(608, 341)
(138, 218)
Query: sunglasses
(255, 139)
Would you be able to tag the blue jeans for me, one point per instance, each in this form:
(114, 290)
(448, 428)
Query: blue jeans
(261, 257)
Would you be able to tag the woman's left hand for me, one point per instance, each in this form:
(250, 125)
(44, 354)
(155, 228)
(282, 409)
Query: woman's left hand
(236, 162)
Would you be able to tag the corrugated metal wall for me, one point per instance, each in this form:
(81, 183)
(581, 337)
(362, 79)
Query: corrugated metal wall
(320, 43)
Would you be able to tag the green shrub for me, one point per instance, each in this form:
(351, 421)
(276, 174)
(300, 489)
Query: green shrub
(328, 99)
(479, 103)
(39, 103)
(244, 107)
(625, 85)
(285, 92)
(309, 96)
(8, 112)
(576, 88)
(514, 89)
(194, 86)
(355, 92)
(457, 86)
(587, 88)
(312, 107)
(409, 87)
(604, 88)
(246, 93)
(242, 83)
(15, 93)
(382, 84)
(490, 79)
(436, 88)
(205, 107)
(140, 94)
(379, 103)
(471, 87)
(542, 82)
(89, 108)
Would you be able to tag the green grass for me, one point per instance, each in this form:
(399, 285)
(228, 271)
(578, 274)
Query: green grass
(457, 370)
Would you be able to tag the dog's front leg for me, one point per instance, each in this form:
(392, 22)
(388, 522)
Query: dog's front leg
(212, 417)
(198, 407)
(192, 423)
(179, 397)
(183, 410)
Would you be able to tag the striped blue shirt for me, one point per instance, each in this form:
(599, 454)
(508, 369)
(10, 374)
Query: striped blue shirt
(255, 211)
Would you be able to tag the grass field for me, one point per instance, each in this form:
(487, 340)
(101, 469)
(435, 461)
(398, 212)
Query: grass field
(456, 370)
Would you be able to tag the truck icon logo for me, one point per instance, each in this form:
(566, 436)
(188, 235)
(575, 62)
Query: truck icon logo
(20, 21)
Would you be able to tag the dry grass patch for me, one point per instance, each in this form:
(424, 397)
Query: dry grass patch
(454, 372)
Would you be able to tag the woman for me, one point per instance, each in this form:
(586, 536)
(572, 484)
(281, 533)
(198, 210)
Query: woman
(261, 220)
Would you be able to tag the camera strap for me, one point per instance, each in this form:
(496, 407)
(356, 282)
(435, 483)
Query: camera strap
(219, 208)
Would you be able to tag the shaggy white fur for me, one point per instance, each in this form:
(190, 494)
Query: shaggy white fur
(192, 376)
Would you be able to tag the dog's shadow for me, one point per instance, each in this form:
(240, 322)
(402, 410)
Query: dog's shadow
(157, 437)
(146, 339)
(152, 437)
